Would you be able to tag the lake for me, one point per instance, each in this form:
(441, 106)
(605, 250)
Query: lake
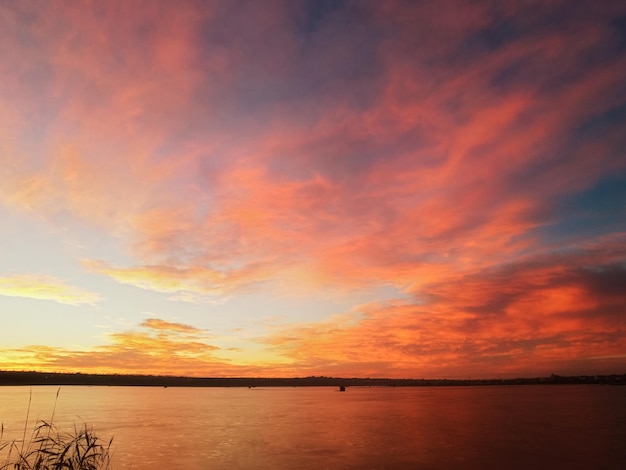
(514, 427)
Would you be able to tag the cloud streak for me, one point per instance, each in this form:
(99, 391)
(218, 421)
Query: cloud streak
(40, 287)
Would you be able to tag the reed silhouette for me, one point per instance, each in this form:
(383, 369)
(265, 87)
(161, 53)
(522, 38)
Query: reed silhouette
(50, 449)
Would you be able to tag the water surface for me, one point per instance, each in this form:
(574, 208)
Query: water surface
(537, 426)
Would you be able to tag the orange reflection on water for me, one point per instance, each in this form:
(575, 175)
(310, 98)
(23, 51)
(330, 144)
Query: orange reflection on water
(318, 427)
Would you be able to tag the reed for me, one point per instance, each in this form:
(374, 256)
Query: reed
(50, 449)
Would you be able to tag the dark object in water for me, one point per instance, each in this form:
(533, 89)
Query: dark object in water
(342, 388)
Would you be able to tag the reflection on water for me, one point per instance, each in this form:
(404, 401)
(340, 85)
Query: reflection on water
(431, 428)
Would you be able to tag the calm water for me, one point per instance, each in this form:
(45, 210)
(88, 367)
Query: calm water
(310, 428)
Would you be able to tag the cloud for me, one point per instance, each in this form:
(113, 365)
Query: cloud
(157, 324)
(35, 286)
(194, 284)
(440, 171)
(155, 347)
(430, 148)
(433, 144)
(529, 317)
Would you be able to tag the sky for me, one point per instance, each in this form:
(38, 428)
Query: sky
(418, 189)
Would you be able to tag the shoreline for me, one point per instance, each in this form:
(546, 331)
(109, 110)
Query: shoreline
(13, 378)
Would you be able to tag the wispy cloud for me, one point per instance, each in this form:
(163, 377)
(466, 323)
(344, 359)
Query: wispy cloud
(192, 284)
(35, 286)
(157, 324)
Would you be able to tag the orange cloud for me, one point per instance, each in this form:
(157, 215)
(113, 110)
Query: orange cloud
(157, 324)
(35, 286)
(156, 347)
(525, 318)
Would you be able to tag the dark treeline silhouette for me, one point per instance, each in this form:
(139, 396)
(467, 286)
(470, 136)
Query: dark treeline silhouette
(48, 378)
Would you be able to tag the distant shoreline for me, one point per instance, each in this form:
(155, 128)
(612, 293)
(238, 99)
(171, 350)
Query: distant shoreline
(12, 378)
